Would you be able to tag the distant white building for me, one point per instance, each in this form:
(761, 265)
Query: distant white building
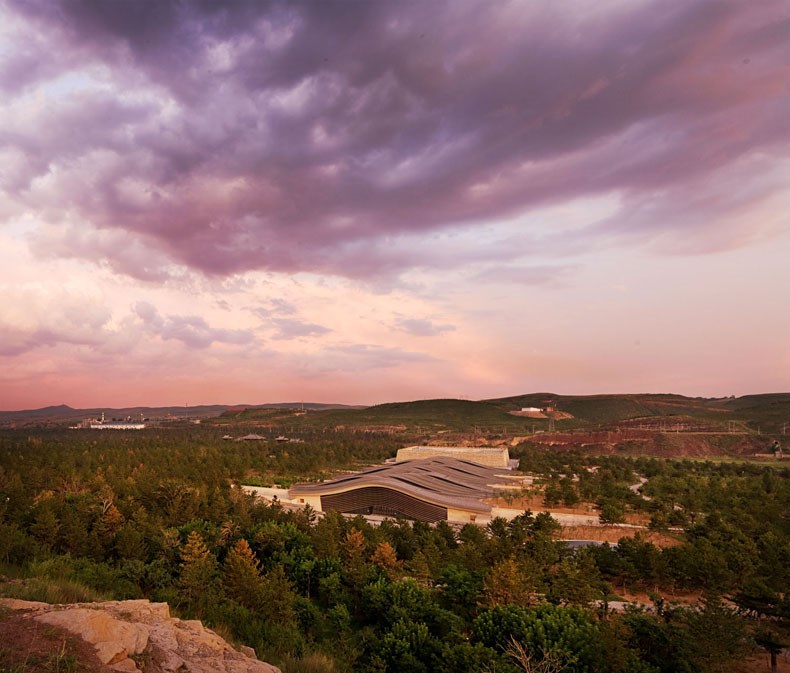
(102, 424)
(117, 426)
(531, 409)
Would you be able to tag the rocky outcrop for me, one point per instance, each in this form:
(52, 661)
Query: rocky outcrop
(132, 636)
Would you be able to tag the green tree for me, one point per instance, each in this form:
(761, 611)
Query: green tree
(611, 511)
(567, 634)
(772, 641)
(719, 636)
(241, 575)
(198, 572)
(45, 527)
(577, 581)
(508, 584)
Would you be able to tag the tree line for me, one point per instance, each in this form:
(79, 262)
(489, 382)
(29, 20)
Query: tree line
(159, 515)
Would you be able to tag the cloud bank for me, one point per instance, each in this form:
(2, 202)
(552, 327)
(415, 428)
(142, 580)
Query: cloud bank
(157, 136)
(367, 201)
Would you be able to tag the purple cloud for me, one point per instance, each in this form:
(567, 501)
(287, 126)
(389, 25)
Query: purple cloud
(525, 275)
(66, 320)
(289, 328)
(363, 357)
(275, 307)
(306, 137)
(423, 327)
(192, 331)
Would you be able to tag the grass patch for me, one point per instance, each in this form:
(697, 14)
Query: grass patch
(312, 662)
(62, 661)
(50, 590)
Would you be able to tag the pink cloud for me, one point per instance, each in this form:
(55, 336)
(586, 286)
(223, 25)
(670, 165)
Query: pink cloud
(191, 330)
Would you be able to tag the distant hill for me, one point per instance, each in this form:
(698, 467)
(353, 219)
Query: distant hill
(613, 408)
(768, 413)
(436, 415)
(765, 413)
(312, 406)
(63, 412)
(752, 401)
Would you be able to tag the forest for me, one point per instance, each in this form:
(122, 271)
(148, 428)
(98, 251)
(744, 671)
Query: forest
(158, 513)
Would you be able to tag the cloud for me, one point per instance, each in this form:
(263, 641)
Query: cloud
(275, 307)
(705, 214)
(14, 341)
(308, 137)
(363, 357)
(33, 319)
(289, 328)
(423, 327)
(192, 331)
(124, 252)
(545, 275)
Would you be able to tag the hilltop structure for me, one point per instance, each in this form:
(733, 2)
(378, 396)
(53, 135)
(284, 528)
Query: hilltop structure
(488, 456)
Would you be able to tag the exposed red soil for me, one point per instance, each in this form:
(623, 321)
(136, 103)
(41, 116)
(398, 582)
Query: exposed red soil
(642, 597)
(612, 534)
(29, 647)
(534, 503)
(637, 518)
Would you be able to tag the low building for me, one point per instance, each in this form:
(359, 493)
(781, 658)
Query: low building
(490, 457)
(117, 426)
(432, 489)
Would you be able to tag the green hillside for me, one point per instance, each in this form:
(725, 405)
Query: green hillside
(755, 401)
(768, 412)
(610, 408)
(436, 415)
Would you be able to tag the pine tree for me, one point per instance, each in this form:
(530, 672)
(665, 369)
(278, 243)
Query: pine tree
(508, 584)
(419, 569)
(241, 575)
(354, 547)
(384, 557)
(198, 570)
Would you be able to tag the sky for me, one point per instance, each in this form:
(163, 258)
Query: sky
(361, 202)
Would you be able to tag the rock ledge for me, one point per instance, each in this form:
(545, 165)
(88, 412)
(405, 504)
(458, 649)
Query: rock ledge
(131, 636)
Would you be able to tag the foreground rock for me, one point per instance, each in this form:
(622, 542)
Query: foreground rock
(139, 635)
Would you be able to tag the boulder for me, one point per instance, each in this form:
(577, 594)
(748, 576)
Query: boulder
(123, 632)
(113, 638)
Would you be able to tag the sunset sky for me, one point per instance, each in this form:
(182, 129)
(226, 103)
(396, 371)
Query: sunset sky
(360, 202)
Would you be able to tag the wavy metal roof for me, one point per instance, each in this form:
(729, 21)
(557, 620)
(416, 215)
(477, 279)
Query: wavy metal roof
(449, 482)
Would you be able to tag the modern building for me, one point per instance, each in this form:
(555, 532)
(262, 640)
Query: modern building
(490, 457)
(432, 489)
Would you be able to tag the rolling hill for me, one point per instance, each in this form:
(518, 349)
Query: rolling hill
(768, 413)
